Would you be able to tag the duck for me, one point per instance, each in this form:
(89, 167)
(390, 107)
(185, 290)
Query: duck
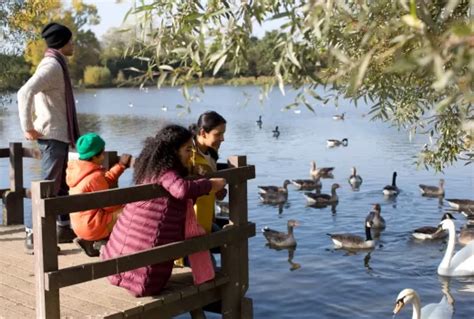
(259, 121)
(430, 232)
(320, 172)
(355, 180)
(350, 241)
(325, 199)
(456, 264)
(392, 190)
(276, 132)
(375, 219)
(130, 104)
(442, 310)
(274, 189)
(273, 198)
(461, 204)
(338, 117)
(307, 184)
(432, 191)
(334, 143)
(280, 239)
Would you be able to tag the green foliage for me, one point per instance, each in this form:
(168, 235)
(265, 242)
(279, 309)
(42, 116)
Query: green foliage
(97, 76)
(15, 72)
(411, 60)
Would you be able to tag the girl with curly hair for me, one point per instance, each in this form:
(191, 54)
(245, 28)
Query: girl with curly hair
(159, 221)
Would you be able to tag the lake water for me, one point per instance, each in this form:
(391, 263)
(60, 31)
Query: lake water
(322, 282)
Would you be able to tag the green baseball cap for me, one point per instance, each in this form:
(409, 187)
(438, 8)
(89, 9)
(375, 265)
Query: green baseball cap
(89, 145)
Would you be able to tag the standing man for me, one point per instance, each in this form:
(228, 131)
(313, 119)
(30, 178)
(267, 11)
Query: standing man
(48, 115)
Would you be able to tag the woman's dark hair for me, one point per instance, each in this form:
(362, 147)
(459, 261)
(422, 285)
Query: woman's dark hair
(208, 121)
(160, 153)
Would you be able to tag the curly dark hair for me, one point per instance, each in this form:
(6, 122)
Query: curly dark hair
(208, 121)
(160, 153)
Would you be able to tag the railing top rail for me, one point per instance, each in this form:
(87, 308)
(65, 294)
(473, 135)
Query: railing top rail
(80, 202)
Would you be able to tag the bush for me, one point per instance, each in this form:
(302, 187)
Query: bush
(97, 76)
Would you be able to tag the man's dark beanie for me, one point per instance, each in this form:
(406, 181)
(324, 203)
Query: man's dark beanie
(56, 35)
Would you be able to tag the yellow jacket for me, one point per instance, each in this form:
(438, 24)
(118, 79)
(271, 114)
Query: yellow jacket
(204, 206)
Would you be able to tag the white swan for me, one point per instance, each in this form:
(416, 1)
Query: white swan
(462, 263)
(441, 310)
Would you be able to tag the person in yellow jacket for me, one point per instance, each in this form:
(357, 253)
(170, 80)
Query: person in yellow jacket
(209, 134)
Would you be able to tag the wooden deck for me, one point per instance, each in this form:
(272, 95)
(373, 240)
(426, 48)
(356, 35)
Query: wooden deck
(93, 299)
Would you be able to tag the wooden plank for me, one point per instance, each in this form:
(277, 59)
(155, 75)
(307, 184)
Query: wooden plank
(4, 152)
(45, 251)
(81, 202)
(31, 153)
(81, 273)
(14, 198)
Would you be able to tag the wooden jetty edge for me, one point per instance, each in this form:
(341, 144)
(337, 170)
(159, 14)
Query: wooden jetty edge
(80, 289)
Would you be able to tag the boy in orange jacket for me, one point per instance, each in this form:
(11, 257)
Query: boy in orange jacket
(87, 175)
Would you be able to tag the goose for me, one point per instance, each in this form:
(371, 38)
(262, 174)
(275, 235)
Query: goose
(259, 121)
(461, 204)
(320, 172)
(315, 198)
(281, 239)
(429, 232)
(350, 241)
(442, 310)
(392, 190)
(432, 191)
(338, 117)
(307, 184)
(466, 234)
(273, 198)
(355, 180)
(462, 263)
(274, 189)
(375, 219)
(333, 143)
(276, 132)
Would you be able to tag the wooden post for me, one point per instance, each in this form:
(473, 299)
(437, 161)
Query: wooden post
(45, 248)
(13, 199)
(235, 257)
(110, 159)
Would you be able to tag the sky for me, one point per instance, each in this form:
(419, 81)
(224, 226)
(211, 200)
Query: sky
(112, 14)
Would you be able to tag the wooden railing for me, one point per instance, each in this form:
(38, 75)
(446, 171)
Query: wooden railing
(231, 281)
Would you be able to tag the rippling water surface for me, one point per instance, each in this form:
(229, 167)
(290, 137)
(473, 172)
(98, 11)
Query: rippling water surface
(315, 281)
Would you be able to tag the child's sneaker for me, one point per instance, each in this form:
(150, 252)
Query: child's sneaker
(87, 246)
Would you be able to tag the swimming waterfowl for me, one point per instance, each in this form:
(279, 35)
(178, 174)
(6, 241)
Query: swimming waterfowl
(307, 184)
(432, 191)
(338, 117)
(350, 241)
(429, 232)
(273, 198)
(392, 190)
(222, 208)
(355, 180)
(274, 189)
(466, 234)
(325, 199)
(375, 219)
(442, 310)
(320, 172)
(461, 204)
(276, 132)
(333, 143)
(456, 264)
(259, 121)
(280, 239)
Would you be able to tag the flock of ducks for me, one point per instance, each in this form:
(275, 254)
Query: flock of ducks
(453, 264)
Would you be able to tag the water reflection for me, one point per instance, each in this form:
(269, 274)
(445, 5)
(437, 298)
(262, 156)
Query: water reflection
(291, 255)
(322, 206)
